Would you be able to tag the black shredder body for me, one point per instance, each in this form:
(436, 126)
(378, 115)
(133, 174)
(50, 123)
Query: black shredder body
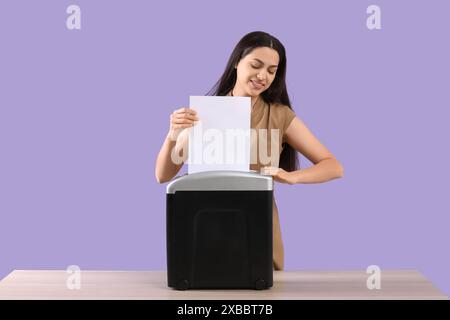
(219, 231)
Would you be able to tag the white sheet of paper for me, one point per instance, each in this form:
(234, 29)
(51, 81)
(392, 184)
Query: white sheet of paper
(220, 140)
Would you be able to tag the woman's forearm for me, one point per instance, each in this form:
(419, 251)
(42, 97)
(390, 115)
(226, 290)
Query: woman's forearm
(322, 171)
(166, 168)
(173, 152)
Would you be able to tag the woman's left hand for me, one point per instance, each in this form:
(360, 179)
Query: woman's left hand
(278, 174)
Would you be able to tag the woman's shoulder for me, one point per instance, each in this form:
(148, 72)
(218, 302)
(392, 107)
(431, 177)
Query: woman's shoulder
(281, 107)
(282, 113)
(282, 110)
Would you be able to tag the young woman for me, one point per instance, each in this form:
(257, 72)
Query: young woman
(257, 69)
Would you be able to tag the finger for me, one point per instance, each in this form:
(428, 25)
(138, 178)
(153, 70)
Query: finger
(185, 110)
(186, 116)
(182, 121)
(277, 179)
(182, 126)
(272, 171)
(181, 110)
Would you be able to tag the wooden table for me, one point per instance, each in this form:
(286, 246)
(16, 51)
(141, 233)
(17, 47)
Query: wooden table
(52, 284)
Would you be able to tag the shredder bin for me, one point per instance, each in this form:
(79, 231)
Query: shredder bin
(219, 231)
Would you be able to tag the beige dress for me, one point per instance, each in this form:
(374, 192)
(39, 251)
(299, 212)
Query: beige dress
(271, 116)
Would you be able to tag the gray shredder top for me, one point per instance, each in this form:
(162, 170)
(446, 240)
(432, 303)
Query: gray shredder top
(221, 180)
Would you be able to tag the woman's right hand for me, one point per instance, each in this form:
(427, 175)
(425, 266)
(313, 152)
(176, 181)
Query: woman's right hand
(180, 120)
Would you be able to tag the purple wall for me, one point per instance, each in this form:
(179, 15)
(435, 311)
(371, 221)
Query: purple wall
(83, 114)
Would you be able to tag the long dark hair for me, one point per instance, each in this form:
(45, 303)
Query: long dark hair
(276, 93)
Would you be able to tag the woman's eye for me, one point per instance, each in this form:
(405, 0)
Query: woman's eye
(254, 66)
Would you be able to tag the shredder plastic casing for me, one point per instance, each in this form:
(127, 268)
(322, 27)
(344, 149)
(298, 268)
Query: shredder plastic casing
(219, 231)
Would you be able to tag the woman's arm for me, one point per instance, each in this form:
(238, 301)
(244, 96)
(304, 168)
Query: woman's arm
(323, 171)
(174, 150)
(326, 167)
(165, 168)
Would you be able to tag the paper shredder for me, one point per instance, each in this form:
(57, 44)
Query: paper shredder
(219, 231)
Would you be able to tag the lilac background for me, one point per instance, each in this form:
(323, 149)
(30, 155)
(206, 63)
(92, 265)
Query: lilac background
(83, 115)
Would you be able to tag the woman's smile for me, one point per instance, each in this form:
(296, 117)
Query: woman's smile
(256, 85)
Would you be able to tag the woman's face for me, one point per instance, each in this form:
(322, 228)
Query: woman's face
(256, 71)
